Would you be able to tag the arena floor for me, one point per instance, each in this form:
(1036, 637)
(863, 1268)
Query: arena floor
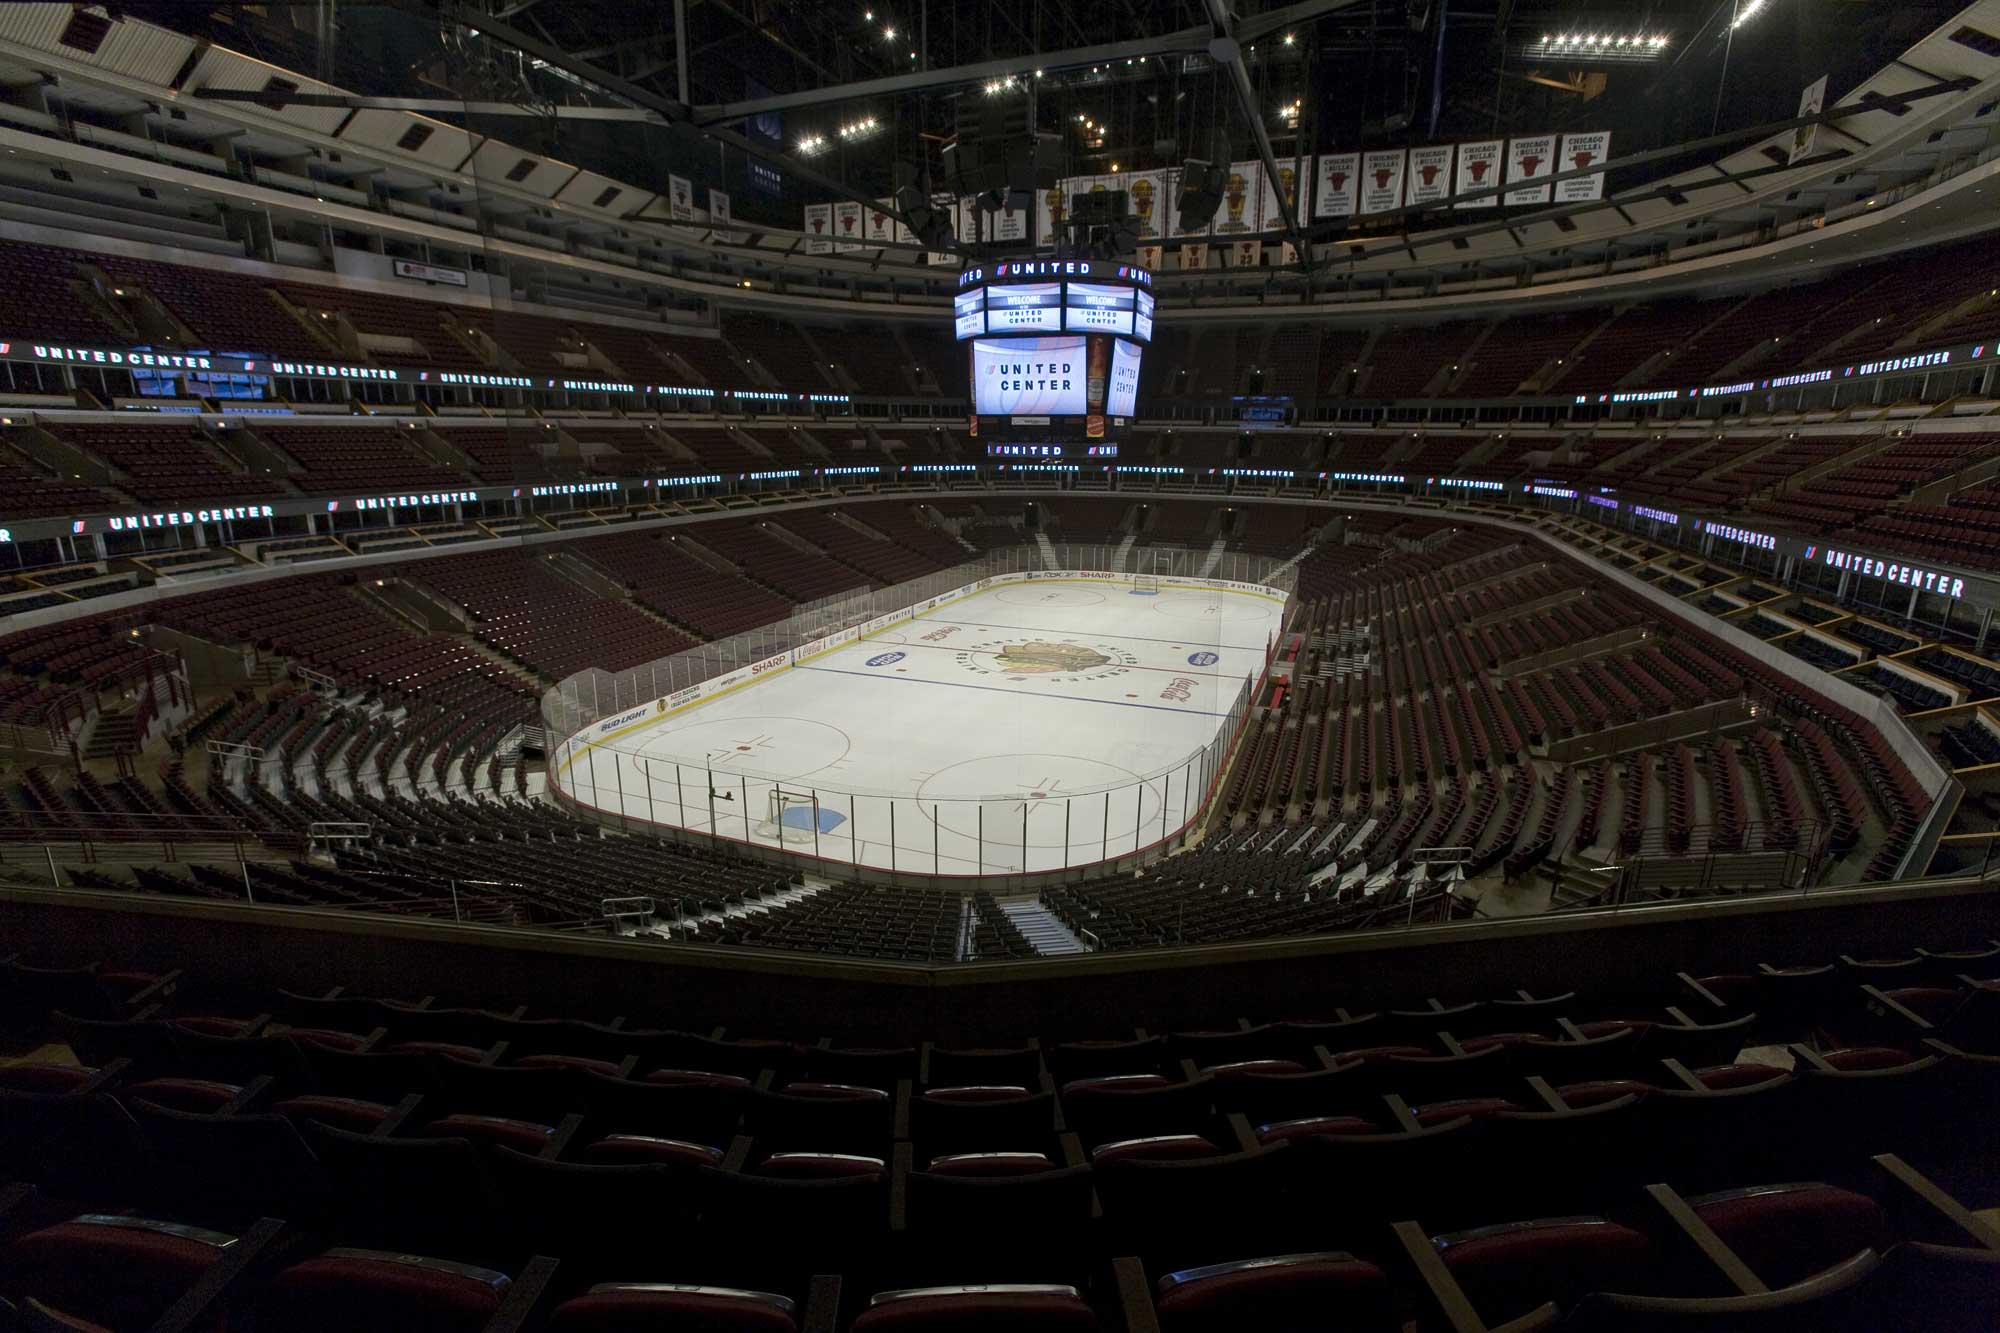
(1023, 728)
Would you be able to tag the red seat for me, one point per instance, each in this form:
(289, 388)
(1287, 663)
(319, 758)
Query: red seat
(988, 1309)
(1286, 1293)
(1786, 1233)
(344, 1290)
(620, 1149)
(990, 1164)
(641, 1307)
(122, 1272)
(1510, 1269)
(350, 1113)
(183, 1094)
(492, 1131)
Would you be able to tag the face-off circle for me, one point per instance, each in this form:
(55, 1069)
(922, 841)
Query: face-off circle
(1061, 661)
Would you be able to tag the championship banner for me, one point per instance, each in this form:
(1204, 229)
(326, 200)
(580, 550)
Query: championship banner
(1382, 180)
(1430, 175)
(1478, 169)
(718, 216)
(1578, 152)
(819, 229)
(1337, 185)
(1242, 199)
(1811, 101)
(1008, 224)
(878, 226)
(1051, 210)
(1529, 160)
(847, 227)
(1148, 191)
(1290, 172)
(1194, 256)
(680, 198)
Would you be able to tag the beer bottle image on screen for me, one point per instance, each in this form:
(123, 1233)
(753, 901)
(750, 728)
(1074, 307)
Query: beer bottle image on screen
(1099, 373)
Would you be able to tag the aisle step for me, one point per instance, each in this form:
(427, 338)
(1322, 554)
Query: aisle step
(1048, 936)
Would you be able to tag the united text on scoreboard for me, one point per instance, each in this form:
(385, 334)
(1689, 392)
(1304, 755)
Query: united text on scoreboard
(1033, 297)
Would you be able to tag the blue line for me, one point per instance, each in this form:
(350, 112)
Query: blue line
(1185, 642)
(995, 689)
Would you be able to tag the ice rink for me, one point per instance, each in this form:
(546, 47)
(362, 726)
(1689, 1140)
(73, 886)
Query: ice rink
(1025, 727)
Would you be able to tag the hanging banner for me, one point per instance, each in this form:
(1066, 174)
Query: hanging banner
(718, 216)
(819, 229)
(1337, 185)
(1194, 256)
(847, 227)
(1382, 180)
(1288, 254)
(1171, 211)
(1290, 171)
(1811, 102)
(1478, 169)
(680, 198)
(1247, 254)
(1578, 152)
(1008, 224)
(877, 226)
(1430, 175)
(1051, 211)
(1148, 192)
(1530, 159)
(1242, 199)
(952, 210)
(1150, 257)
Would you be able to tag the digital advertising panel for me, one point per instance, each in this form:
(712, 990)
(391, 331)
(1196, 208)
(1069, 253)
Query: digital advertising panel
(969, 310)
(1090, 307)
(1027, 307)
(1142, 317)
(1123, 398)
(1028, 376)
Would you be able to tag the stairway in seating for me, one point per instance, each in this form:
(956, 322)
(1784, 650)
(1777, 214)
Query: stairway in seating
(1118, 556)
(1215, 551)
(1048, 550)
(115, 733)
(1048, 936)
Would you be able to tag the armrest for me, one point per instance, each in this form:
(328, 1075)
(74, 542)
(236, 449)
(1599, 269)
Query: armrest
(1808, 1056)
(1446, 1296)
(165, 986)
(404, 1111)
(628, 1066)
(1135, 1296)
(902, 1161)
(924, 1062)
(252, 1092)
(1324, 1056)
(738, 1155)
(559, 1141)
(1680, 1071)
(902, 1124)
(526, 1295)
(822, 1313)
(1701, 992)
(494, 1053)
(1405, 1121)
(1071, 1149)
(1702, 1237)
(375, 1038)
(1921, 1192)
(112, 1073)
(254, 1025)
(1541, 1089)
(1239, 1129)
(1877, 1000)
(198, 1306)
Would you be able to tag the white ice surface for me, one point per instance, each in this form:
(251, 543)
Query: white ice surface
(928, 719)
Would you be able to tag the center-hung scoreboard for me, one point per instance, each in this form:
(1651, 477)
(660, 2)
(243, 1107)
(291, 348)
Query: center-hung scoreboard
(1054, 346)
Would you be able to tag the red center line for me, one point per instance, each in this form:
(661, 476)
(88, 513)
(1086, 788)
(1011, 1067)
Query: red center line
(992, 652)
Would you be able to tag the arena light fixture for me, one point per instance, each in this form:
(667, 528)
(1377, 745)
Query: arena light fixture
(1748, 10)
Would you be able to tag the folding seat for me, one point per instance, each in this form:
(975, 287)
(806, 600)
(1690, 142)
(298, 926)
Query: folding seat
(800, 1227)
(868, 1068)
(425, 1195)
(991, 1308)
(1285, 1293)
(948, 1068)
(120, 1272)
(239, 1060)
(1838, 1300)
(350, 1113)
(633, 1307)
(1172, 1213)
(820, 1118)
(1101, 1110)
(148, 1044)
(610, 1215)
(1017, 1228)
(703, 1112)
(343, 1289)
(44, 1078)
(1072, 1060)
(1207, 1049)
(542, 1094)
(1786, 1233)
(1505, 1271)
(1557, 1061)
(1945, 967)
(980, 1117)
(1366, 1179)
(83, 1147)
(377, 1076)
(233, 1169)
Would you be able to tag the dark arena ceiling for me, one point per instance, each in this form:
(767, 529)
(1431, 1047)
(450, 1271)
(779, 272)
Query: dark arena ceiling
(1126, 85)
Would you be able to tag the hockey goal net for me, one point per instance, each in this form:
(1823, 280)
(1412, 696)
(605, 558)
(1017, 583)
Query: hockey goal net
(1145, 583)
(789, 816)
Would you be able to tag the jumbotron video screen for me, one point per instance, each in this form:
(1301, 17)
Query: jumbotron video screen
(1055, 345)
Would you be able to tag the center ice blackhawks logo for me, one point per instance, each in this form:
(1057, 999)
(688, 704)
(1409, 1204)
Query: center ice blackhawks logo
(1046, 658)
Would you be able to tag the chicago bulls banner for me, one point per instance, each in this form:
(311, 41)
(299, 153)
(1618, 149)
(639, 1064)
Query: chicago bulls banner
(1530, 159)
(1430, 175)
(1478, 169)
(1382, 180)
(1580, 151)
(847, 227)
(819, 229)
(1337, 187)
